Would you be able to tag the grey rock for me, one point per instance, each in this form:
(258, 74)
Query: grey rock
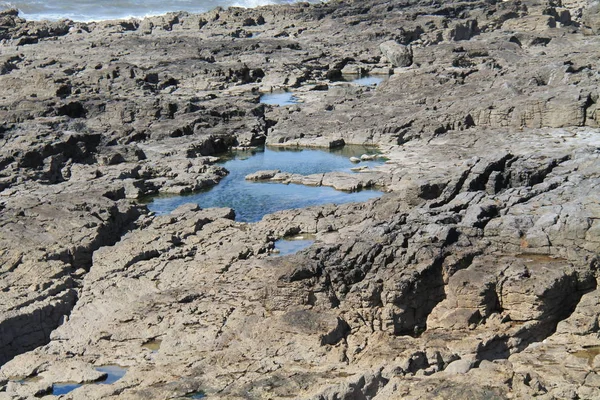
(458, 367)
(262, 175)
(591, 19)
(483, 248)
(399, 55)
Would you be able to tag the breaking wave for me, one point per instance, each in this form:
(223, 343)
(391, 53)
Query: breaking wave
(95, 10)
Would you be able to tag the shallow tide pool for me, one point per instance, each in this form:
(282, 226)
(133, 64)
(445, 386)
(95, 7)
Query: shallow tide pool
(64, 388)
(366, 80)
(196, 395)
(293, 245)
(252, 200)
(113, 373)
(279, 98)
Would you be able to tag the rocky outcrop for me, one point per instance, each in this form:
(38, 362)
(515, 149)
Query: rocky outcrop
(337, 180)
(474, 275)
(398, 54)
(590, 20)
(43, 261)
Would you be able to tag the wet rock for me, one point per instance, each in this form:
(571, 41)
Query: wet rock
(262, 175)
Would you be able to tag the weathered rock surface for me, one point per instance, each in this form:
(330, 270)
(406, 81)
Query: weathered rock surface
(337, 180)
(474, 276)
(398, 54)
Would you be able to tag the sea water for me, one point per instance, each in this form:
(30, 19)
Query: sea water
(252, 200)
(95, 10)
(280, 98)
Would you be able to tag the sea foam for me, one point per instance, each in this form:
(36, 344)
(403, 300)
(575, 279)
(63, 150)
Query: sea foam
(97, 10)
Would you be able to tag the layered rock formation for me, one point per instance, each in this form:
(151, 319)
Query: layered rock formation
(474, 276)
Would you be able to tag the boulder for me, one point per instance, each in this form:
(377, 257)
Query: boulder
(398, 54)
(590, 20)
(459, 367)
(262, 175)
(462, 30)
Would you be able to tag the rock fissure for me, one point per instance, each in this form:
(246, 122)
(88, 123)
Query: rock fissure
(470, 278)
(29, 323)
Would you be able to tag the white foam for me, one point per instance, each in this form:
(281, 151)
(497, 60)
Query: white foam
(88, 11)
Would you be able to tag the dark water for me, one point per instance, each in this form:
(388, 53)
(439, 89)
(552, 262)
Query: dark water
(114, 373)
(64, 388)
(252, 200)
(94, 10)
(197, 395)
(287, 246)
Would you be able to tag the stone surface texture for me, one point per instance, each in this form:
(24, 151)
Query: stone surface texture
(474, 275)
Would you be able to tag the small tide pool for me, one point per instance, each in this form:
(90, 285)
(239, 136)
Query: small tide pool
(366, 80)
(153, 345)
(279, 98)
(252, 200)
(113, 373)
(196, 395)
(292, 245)
(64, 388)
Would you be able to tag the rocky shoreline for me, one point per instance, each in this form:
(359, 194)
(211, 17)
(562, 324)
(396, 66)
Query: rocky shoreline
(473, 276)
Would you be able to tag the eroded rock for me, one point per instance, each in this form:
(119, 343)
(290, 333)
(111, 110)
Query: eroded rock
(473, 277)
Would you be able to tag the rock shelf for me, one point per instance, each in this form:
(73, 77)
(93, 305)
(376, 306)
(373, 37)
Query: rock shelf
(473, 276)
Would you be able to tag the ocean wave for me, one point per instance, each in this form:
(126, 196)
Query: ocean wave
(6, 5)
(92, 10)
(258, 3)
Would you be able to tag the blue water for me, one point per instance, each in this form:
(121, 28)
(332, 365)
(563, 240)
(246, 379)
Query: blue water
(367, 80)
(279, 98)
(94, 10)
(64, 388)
(114, 373)
(289, 246)
(288, 98)
(252, 200)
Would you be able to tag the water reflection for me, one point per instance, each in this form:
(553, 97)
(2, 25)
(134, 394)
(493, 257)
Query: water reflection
(292, 245)
(366, 80)
(279, 98)
(64, 388)
(113, 372)
(196, 395)
(153, 345)
(252, 200)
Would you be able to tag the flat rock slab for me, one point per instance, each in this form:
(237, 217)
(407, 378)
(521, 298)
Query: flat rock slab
(474, 277)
